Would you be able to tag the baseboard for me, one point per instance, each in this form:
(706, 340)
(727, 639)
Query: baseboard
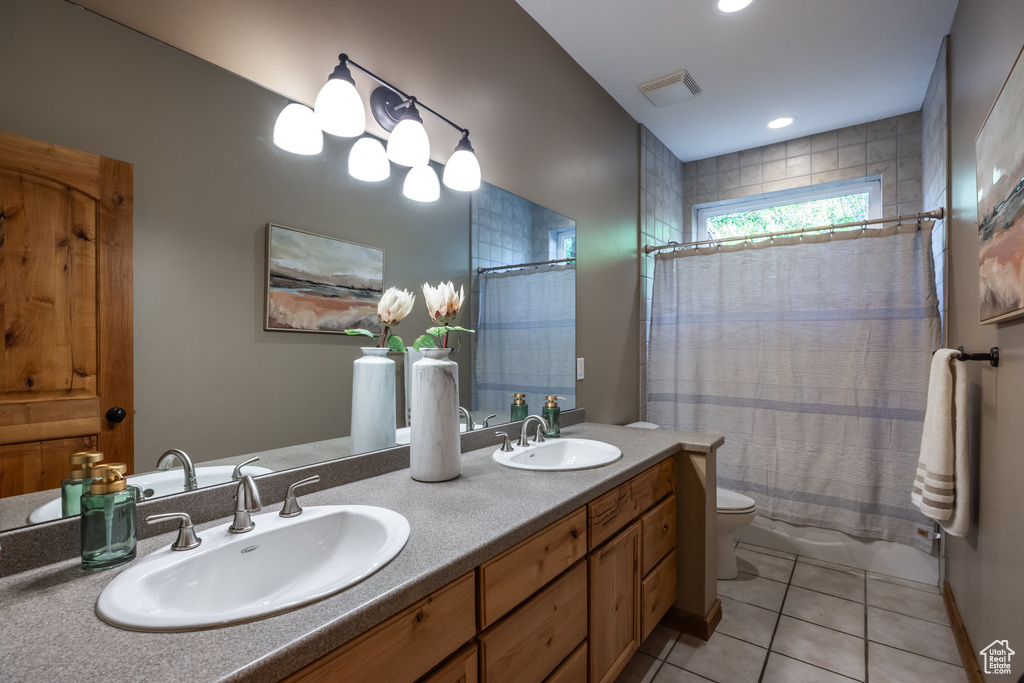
(691, 624)
(963, 641)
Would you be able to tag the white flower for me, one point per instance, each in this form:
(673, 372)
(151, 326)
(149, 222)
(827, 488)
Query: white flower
(394, 306)
(443, 303)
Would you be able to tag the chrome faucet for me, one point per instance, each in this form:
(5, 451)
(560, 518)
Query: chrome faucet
(291, 506)
(247, 499)
(186, 464)
(487, 420)
(469, 419)
(523, 440)
(236, 473)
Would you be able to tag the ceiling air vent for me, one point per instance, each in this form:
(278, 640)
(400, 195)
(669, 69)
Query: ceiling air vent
(669, 89)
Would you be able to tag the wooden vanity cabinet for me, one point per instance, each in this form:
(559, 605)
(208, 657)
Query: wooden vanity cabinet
(632, 570)
(571, 603)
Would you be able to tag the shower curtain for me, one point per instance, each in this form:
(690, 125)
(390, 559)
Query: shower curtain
(526, 338)
(811, 356)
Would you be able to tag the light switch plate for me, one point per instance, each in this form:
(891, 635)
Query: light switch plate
(579, 368)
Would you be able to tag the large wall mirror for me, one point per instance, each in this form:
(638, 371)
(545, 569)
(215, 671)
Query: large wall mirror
(209, 379)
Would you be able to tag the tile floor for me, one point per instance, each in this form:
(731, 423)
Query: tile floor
(790, 619)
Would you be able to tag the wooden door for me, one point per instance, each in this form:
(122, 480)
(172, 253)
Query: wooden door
(614, 604)
(66, 310)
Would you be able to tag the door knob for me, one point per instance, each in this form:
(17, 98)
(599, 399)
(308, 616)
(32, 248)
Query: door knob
(116, 415)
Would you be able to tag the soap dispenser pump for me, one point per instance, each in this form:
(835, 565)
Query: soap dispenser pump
(108, 519)
(519, 408)
(77, 483)
(552, 413)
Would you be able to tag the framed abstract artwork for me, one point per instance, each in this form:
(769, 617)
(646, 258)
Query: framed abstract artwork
(1000, 150)
(320, 284)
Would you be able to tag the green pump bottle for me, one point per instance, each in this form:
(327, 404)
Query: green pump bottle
(77, 483)
(519, 408)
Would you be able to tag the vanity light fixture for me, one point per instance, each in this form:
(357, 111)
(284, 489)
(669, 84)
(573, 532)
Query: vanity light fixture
(421, 184)
(297, 131)
(368, 161)
(339, 111)
(781, 122)
(730, 6)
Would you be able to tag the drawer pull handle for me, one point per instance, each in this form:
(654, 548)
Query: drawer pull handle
(574, 534)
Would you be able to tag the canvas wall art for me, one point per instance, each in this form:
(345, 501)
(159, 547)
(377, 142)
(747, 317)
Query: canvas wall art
(1000, 149)
(321, 284)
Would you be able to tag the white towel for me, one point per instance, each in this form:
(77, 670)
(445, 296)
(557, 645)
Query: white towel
(942, 485)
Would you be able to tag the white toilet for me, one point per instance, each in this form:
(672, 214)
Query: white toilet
(735, 510)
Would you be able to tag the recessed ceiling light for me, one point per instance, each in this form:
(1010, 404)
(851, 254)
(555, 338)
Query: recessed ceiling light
(730, 6)
(781, 122)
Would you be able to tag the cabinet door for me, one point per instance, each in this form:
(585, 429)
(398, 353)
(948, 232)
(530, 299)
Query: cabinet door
(461, 668)
(614, 604)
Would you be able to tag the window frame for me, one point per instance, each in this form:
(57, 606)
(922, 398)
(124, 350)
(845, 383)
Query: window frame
(873, 187)
(556, 242)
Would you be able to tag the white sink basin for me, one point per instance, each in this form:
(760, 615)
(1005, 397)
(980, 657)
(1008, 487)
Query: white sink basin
(402, 434)
(559, 455)
(231, 578)
(159, 483)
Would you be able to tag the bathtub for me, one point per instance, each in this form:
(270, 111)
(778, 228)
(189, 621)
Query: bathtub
(828, 545)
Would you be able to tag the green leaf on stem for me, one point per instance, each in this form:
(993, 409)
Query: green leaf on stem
(395, 344)
(424, 341)
(455, 328)
(365, 333)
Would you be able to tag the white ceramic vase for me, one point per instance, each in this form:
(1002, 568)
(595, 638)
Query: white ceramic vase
(373, 401)
(435, 446)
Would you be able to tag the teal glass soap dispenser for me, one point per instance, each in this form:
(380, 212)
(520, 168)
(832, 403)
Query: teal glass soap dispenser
(108, 519)
(519, 408)
(552, 413)
(77, 483)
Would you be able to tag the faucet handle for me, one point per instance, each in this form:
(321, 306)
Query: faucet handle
(291, 502)
(506, 443)
(236, 474)
(487, 420)
(540, 434)
(187, 539)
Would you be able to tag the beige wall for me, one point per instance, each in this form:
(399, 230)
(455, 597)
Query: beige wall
(985, 568)
(208, 378)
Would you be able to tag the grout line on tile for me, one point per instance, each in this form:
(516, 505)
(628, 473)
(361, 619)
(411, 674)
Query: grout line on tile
(784, 656)
(866, 674)
(778, 617)
(812, 623)
(912, 616)
(815, 590)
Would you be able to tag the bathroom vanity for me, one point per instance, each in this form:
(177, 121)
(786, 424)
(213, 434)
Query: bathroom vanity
(540, 575)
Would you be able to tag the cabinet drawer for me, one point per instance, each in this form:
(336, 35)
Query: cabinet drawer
(407, 645)
(613, 511)
(461, 668)
(573, 669)
(529, 644)
(658, 531)
(659, 593)
(521, 571)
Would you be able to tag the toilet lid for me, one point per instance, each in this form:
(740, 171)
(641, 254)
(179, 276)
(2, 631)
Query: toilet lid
(730, 501)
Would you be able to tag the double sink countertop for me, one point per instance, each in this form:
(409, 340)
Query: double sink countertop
(51, 631)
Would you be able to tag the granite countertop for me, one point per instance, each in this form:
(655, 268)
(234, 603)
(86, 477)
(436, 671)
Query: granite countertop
(51, 630)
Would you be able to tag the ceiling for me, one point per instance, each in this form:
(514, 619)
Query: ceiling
(830, 63)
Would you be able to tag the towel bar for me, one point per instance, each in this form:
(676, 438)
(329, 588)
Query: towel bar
(992, 356)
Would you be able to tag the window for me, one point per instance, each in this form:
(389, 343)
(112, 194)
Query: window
(562, 244)
(835, 203)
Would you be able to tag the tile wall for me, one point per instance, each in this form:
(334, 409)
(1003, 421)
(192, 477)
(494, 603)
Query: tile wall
(661, 220)
(890, 148)
(934, 153)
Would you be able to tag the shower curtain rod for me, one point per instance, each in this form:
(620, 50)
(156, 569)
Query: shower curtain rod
(936, 214)
(526, 265)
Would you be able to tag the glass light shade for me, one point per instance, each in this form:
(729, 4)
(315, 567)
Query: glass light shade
(462, 171)
(339, 109)
(730, 6)
(368, 161)
(296, 130)
(409, 145)
(421, 184)
(781, 122)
